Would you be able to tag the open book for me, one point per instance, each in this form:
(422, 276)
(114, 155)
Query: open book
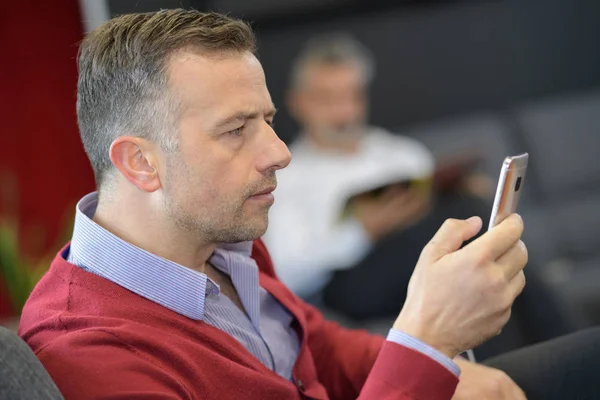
(447, 177)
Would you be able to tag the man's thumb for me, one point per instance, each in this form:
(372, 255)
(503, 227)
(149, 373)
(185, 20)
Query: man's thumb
(451, 236)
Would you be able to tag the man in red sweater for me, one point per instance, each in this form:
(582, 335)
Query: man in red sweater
(162, 293)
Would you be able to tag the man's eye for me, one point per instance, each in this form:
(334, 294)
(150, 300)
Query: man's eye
(270, 123)
(237, 131)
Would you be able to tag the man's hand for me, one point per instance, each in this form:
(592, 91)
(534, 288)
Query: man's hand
(458, 298)
(478, 382)
(397, 208)
(480, 185)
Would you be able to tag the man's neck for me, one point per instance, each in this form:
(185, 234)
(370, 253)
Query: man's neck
(142, 228)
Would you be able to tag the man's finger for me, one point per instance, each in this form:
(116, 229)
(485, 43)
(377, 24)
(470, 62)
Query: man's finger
(518, 394)
(451, 236)
(515, 392)
(514, 260)
(517, 284)
(498, 240)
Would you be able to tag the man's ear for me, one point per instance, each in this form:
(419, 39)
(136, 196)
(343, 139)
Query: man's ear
(136, 160)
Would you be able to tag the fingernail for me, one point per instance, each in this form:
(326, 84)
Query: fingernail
(473, 220)
(519, 215)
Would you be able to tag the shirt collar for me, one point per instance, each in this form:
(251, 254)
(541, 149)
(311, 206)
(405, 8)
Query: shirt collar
(165, 282)
(242, 248)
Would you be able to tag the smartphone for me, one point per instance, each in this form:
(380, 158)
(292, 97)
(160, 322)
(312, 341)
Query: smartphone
(508, 193)
(510, 186)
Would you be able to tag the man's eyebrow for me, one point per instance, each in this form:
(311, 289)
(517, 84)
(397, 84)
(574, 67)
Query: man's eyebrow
(271, 113)
(245, 115)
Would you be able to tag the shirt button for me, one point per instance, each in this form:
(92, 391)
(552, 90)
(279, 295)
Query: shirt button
(300, 384)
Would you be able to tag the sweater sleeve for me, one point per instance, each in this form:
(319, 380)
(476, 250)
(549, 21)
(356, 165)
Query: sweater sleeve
(356, 364)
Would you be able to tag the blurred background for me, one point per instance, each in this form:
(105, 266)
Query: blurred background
(496, 77)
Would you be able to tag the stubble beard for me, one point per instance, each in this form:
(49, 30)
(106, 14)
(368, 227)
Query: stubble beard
(226, 222)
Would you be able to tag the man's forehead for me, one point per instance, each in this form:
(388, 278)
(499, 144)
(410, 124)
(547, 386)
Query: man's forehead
(323, 73)
(213, 63)
(230, 65)
(225, 86)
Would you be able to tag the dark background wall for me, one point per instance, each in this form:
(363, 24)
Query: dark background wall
(452, 59)
(434, 58)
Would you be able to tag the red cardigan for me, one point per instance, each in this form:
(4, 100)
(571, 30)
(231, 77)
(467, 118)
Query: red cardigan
(101, 341)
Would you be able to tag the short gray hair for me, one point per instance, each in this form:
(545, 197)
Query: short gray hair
(123, 83)
(333, 49)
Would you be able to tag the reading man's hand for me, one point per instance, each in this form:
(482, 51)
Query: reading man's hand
(397, 208)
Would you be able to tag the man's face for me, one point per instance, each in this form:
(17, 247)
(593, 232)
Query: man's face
(331, 101)
(228, 152)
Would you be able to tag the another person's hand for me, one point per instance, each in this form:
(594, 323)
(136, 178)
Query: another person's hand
(458, 298)
(480, 185)
(481, 382)
(397, 208)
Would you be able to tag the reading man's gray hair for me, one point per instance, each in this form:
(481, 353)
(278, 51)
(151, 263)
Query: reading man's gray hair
(333, 48)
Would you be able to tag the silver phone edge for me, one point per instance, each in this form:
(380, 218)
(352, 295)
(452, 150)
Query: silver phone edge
(517, 162)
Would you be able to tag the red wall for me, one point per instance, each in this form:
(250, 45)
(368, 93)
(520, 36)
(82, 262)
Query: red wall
(39, 140)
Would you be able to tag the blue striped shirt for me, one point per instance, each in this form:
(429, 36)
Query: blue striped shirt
(265, 330)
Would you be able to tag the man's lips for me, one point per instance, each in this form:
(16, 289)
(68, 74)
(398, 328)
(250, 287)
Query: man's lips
(265, 191)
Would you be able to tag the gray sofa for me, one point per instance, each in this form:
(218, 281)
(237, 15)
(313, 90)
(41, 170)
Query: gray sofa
(22, 376)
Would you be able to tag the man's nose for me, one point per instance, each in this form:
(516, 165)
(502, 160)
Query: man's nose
(275, 154)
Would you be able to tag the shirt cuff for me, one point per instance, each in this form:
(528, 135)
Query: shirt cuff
(406, 340)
